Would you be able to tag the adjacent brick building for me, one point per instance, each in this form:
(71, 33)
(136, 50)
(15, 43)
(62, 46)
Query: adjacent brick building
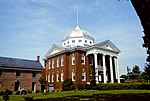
(17, 74)
(76, 56)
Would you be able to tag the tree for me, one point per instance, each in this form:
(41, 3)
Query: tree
(136, 70)
(147, 72)
(124, 76)
(92, 81)
(43, 82)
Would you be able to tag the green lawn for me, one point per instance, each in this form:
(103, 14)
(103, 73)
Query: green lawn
(72, 93)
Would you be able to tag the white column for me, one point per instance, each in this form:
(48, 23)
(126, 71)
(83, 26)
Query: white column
(96, 67)
(104, 69)
(111, 70)
(117, 69)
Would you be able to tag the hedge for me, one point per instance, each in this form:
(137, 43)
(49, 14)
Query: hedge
(117, 86)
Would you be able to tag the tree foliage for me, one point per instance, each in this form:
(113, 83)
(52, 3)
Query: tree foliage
(136, 70)
(92, 73)
(43, 82)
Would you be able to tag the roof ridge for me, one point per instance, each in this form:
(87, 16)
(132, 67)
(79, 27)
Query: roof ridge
(17, 58)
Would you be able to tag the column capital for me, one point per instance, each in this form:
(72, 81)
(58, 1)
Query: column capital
(104, 54)
(111, 55)
(96, 53)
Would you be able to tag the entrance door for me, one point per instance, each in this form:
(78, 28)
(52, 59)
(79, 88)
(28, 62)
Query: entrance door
(17, 86)
(33, 86)
(51, 87)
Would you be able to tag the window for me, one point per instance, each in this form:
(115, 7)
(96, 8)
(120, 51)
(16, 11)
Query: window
(80, 40)
(73, 41)
(57, 76)
(90, 42)
(62, 61)
(73, 75)
(57, 62)
(85, 41)
(52, 77)
(48, 78)
(64, 43)
(73, 59)
(33, 74)
(49, 64)
(83, 75)
(18, 73)
(68, 42)
(62, 75)
(1, 71)
(53, 63)
(83, 59)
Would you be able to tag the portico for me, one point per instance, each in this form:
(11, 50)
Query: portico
(104, 58)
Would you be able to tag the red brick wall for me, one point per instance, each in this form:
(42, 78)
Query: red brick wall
(8, 79)
(67, 68)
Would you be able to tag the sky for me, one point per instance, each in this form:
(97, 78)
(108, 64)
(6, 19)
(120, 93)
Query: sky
(29, 28)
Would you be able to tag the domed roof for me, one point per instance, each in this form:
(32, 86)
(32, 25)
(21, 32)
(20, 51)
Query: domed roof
(77, 33)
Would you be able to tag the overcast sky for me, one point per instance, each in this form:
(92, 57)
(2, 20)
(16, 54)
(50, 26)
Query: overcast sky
(29, 27)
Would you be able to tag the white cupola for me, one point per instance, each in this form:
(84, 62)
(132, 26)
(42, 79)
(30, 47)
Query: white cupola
(78, 37)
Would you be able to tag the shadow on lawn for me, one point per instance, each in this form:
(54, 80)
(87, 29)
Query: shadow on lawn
(103, 97)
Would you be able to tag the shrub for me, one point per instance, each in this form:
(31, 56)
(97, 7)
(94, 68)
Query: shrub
(17, 92)
(67, 85)
(28, 98)
(8, 92)
(2, 93)
(23, 92)
(29, 91)
(37, 91)
(122, 86)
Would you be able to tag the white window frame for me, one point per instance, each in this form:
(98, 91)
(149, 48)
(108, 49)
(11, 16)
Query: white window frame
(62, 75)
(48, 77)
(49, 64)
(52, 77)
(83, 75)
(57, 62)
(57, 76)
(62, 61)
(83, 58)
(73, 59)
(53, 63)
(73, 75)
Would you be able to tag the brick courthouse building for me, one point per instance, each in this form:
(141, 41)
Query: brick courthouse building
(74, 58)
(16, 74)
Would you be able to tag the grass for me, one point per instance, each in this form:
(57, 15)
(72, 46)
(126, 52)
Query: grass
(73, 93)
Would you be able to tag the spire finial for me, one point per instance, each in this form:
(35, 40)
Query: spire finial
(77, 17)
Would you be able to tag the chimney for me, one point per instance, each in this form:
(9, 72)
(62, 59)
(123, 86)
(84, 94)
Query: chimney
(38, 58)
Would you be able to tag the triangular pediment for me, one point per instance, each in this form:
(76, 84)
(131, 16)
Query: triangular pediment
(54, 49)
(107, 45)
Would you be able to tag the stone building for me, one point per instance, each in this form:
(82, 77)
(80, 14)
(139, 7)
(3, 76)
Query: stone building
(76, 56)
(17, 74)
